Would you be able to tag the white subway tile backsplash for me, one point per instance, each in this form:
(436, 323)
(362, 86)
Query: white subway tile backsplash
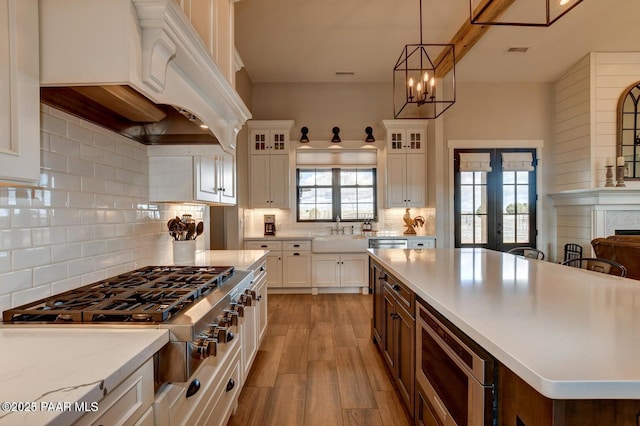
(80, 266)
(49, 273)
(80, 233)
(5, 264)
(91, 153)
(67, 284)
(77, 166)
(79, 133)
(62, 145)
(90, 218)
(35, 293)
(26, 218)
(104, 142)
(68, 216)
(15, 238)
(31, 257)
(80, 199)
(51, 124)
(54, 161)
(16, 281)
(91, 185)
(46, 236)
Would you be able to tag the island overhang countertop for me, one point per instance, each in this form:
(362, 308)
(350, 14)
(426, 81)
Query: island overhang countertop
(569, 333)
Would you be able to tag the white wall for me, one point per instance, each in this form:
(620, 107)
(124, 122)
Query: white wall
(481, 112)
(89, 219)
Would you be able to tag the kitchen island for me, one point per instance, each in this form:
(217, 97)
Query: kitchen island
(569, 334)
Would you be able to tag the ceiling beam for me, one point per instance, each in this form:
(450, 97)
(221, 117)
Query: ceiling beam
(469, 34)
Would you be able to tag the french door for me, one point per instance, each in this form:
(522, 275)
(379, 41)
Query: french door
(495, 198)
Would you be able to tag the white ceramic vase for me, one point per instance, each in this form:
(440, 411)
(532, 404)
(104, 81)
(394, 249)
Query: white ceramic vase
(184, 252)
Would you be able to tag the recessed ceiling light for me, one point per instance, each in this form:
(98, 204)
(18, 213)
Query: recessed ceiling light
(521, 49)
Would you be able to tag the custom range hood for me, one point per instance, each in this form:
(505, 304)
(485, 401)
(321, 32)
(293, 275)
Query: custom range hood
(139, 68)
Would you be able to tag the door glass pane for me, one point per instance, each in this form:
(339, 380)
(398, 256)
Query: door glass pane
(522, 221)
(481, 229)
(480, 202)
(508, 229)
(467, 200)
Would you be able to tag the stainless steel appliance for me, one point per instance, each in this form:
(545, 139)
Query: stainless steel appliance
(455, 375)
(382, 243)
(199, 305)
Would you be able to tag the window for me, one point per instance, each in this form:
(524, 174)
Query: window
(326, 194)
(629, 130)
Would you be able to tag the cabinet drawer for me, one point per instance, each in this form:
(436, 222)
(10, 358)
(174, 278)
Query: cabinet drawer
(421, 243)
(296, 245)
(127, 402)
(263, 245)
(404, 296)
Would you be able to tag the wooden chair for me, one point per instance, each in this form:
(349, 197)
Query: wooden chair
(528, 252)
(597, 264)
(572, 251)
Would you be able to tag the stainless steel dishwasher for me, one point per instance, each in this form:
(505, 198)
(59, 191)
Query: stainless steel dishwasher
(384, 243)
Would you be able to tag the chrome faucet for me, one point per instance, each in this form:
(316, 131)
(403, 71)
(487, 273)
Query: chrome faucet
(337, 229)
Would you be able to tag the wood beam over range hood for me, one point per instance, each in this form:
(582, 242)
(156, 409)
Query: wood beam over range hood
(123, 110)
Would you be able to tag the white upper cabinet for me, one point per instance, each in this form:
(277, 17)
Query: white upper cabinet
(192, 174)
(405, 177)
(269, 168)
(20, 88)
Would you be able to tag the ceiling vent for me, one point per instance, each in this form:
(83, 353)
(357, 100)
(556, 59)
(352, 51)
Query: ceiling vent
(517, 50)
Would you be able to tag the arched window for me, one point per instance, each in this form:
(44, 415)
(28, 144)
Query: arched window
(629, 130)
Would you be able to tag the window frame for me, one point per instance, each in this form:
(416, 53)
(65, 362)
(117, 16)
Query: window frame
(336, 194)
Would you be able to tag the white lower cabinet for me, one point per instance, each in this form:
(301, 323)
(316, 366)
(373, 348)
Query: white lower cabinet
(296, 268)
(220, 380)
(340, 270)
(128, 403)
(288, 262)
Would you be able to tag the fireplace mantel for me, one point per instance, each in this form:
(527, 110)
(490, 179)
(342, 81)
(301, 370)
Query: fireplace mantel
(593, 213)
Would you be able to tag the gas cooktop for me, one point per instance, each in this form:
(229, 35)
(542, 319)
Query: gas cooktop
(150, 294)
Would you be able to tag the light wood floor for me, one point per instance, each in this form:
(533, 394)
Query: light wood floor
(318, 365)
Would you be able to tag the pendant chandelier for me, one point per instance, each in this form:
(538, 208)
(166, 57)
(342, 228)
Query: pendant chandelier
(525, 13)
(424, 80)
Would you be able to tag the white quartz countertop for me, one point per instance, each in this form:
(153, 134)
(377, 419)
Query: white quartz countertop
(377, 235)
(240, 259)
(569, 333)
(53, 366)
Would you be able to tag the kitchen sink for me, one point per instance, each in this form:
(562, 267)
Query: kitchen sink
(339, 244)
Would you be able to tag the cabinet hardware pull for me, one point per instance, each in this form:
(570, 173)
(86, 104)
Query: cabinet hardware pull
(193, 388)
(264, 246)
(296, 254)
(231, 384)
(262, 269)
(396, 287)
(296, 245)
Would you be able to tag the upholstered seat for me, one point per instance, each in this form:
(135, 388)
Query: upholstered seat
(623, 249)
(604, 266)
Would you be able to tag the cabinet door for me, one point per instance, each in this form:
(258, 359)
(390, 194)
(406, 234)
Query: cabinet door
(405, 355)
(296, 269)
(274, 269)
(279, 181)
(415, 141)
(261, 292)
(325, 270)
(388, 324)
(249, 336)
(227, 173)
(396, 176)
(378, 300)
(259, 142)
(259, 181)
(279, 142)
(354, 271)
(416, 180)
(206, 177)
(20, 88)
